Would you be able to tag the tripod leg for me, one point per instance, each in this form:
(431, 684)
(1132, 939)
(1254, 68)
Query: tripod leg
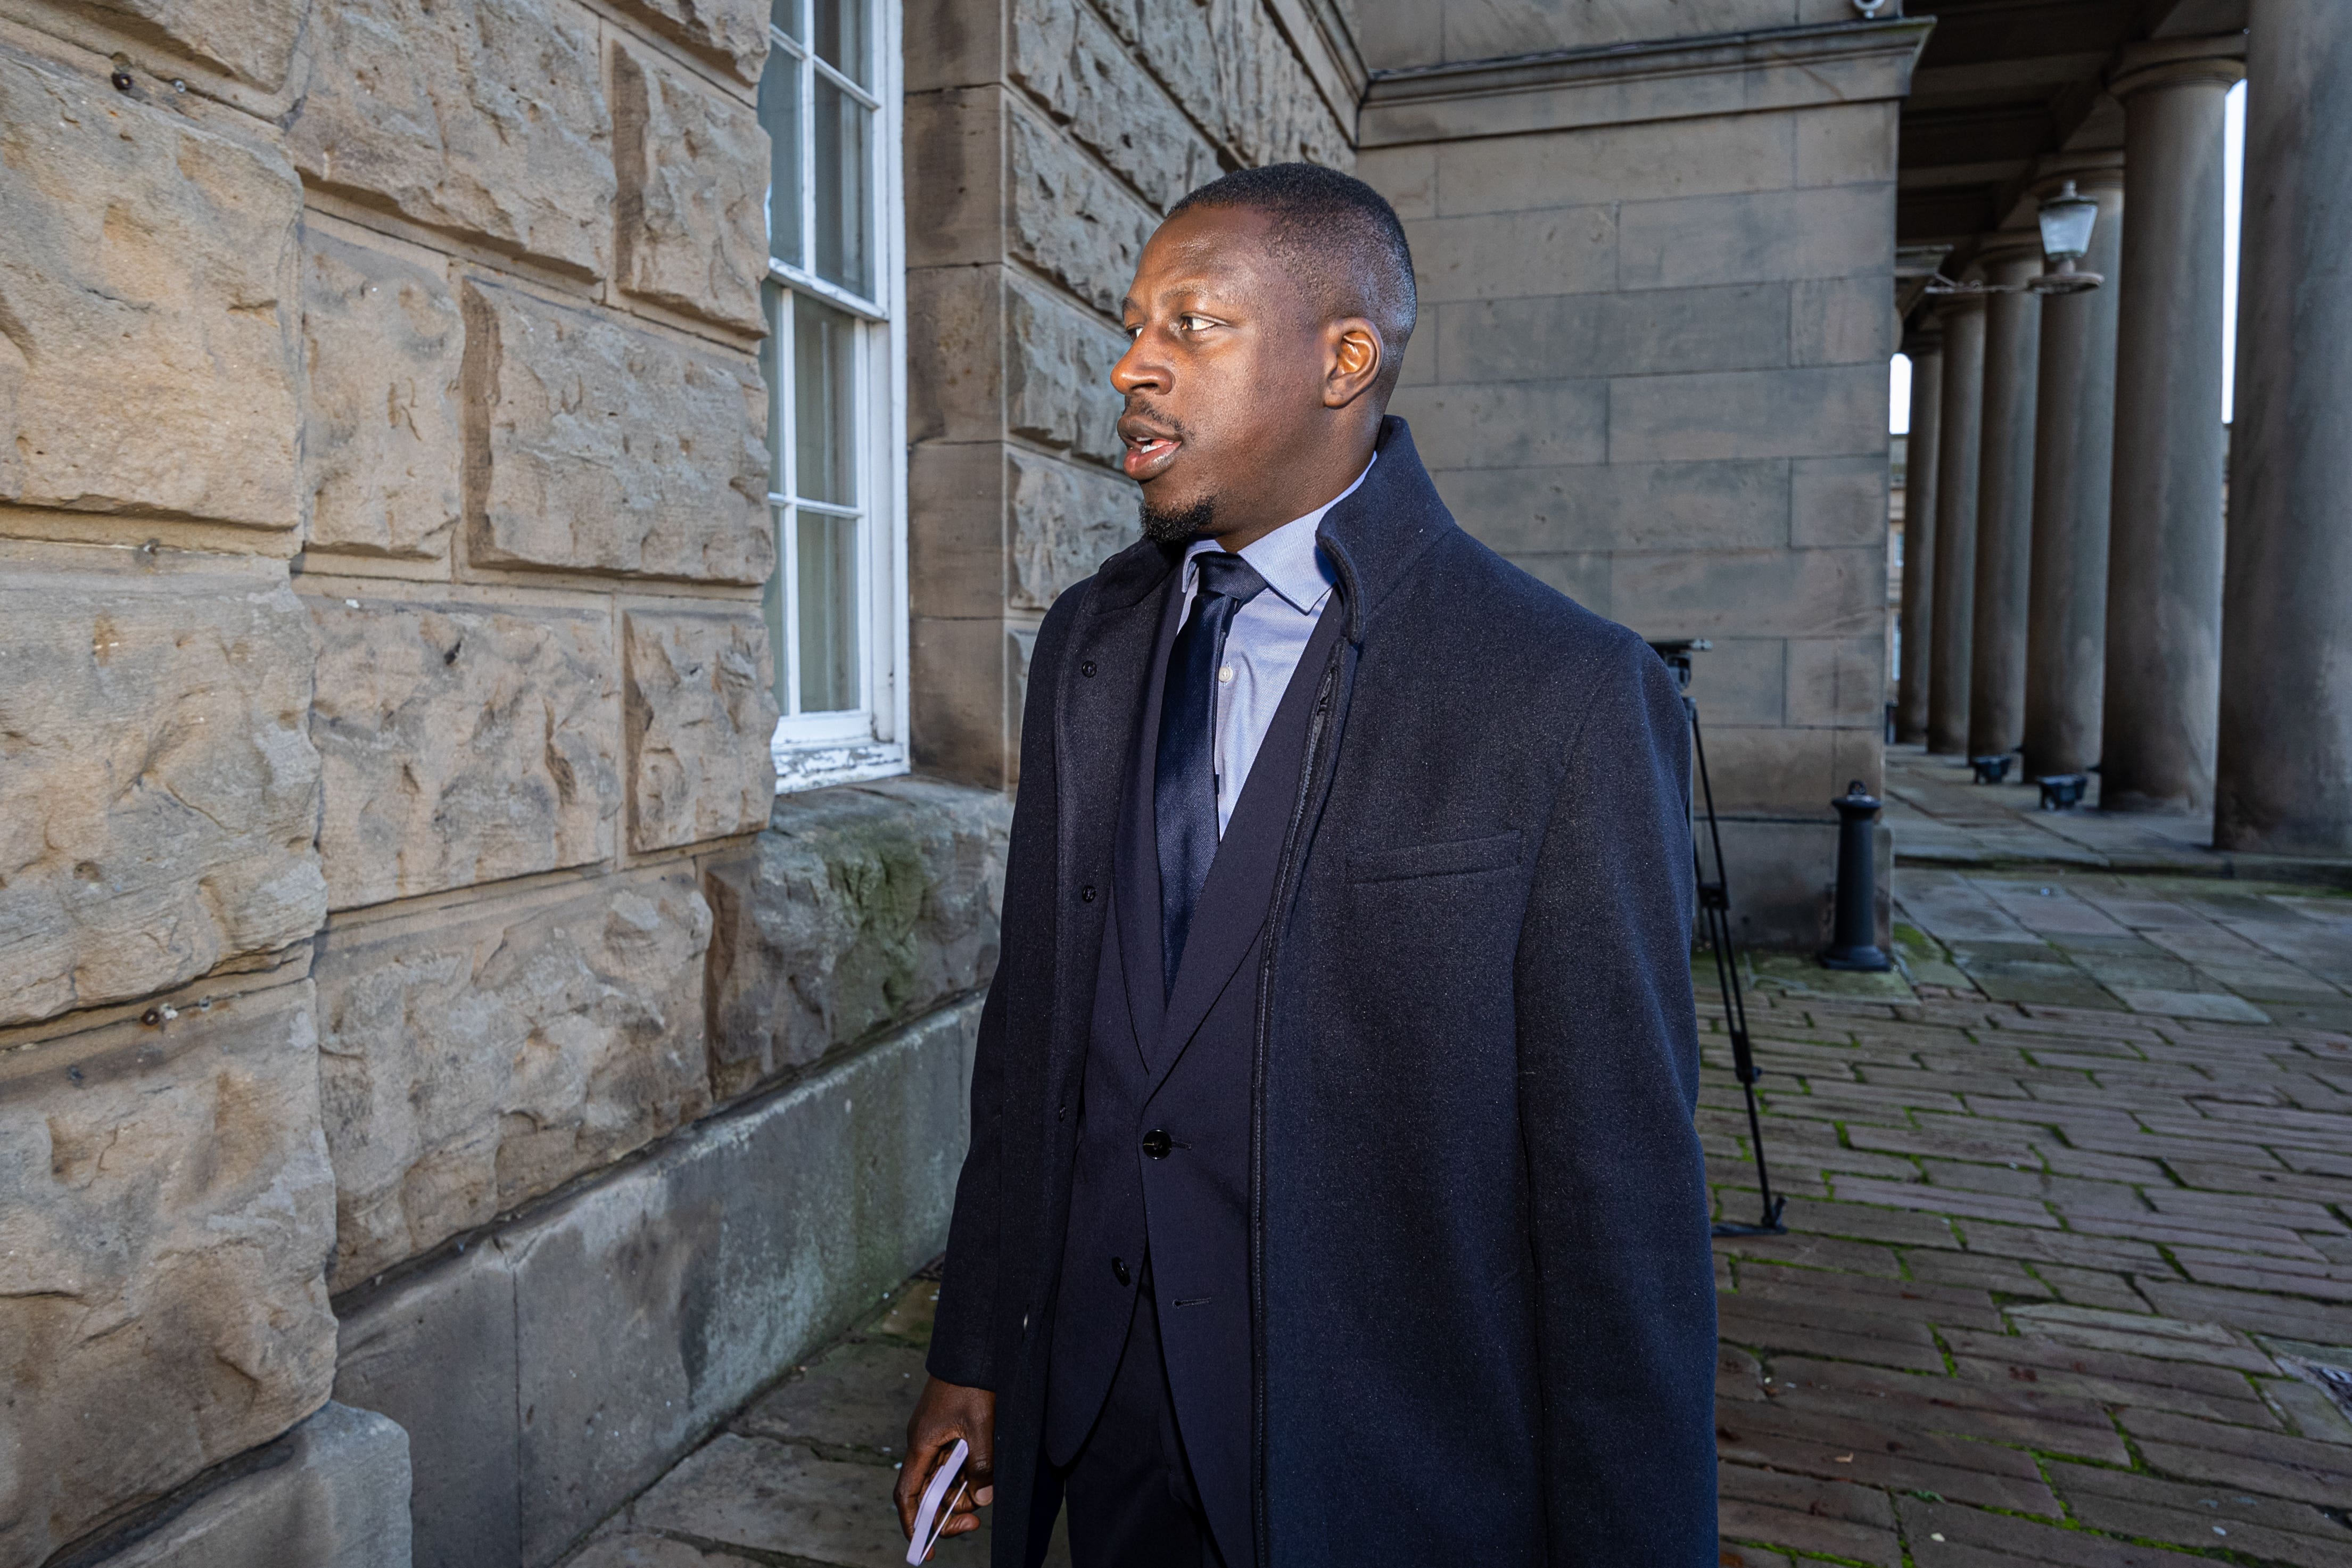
(1714, 900)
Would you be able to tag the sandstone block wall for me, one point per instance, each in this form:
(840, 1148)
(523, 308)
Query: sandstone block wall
(383, 462)
(1044, 140)
(1651, 366)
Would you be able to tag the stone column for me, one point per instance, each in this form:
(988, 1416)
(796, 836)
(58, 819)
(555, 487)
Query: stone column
(2284, 785)
(2164, 551)
(1925, 344)
(1954, 616)
(2073, 468)
(2005, 495)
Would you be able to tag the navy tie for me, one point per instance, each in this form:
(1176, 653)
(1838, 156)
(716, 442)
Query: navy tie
(1184, 781)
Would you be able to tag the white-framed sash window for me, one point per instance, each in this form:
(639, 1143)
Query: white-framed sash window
(836, 306)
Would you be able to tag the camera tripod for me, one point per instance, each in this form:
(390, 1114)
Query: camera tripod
(1715, 914)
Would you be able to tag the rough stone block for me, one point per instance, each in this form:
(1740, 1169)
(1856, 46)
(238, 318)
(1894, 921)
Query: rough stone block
(1065, 55)
(148, 290)
(162, 1305)
(689, 216)
(161, 796)
(423, 104)
(862, 908)
(435, 1352)
(383, 341)
(651, 1305)
(1229, 64)
(1624, 506)
(252, 42)
(472, 1061)
(597, 448)
(1837, 232)
(1567, 251)
(733, 32)
(1507, 424)
(1836, 411)
(461, 743)
(1650, 160)
(1067, 520)
(1070, 220)
(699, 708)
(1058, 366)
(331, 1493)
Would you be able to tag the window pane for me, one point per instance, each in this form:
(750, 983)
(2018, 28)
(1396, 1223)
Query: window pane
(824, 401)
(828, 612)
(841, 37)
(780, 111)
(784, 16)
(843, 206)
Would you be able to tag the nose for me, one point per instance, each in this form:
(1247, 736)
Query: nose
(1138, 370)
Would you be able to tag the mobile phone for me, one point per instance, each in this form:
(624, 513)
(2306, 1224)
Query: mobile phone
(931, 1518)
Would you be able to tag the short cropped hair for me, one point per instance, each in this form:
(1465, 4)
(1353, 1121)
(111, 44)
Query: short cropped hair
(1339, 238)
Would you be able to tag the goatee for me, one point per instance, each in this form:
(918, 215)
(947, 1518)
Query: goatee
(1174, 525)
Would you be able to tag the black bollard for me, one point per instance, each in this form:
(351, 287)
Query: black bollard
(1852, 945)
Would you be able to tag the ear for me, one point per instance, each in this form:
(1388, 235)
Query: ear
(1352, 360)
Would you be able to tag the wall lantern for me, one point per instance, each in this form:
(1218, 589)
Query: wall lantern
(2066, 220)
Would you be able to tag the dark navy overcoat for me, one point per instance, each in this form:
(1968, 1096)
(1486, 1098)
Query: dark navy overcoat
(1482, 1299)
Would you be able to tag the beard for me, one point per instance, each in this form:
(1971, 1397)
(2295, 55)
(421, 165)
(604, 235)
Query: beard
(1174, 525)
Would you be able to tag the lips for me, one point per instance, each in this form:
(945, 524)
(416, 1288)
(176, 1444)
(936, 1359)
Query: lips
(1150, 447)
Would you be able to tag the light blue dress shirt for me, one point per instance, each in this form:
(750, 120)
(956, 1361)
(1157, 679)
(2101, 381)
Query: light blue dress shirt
(1266, 639)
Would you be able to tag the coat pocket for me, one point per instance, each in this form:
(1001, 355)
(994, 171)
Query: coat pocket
(1454, 858)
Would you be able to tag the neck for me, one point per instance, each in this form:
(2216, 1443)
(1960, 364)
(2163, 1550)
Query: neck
(1321, 480)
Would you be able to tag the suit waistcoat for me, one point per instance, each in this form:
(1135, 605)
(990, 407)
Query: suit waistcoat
(1179, 1067)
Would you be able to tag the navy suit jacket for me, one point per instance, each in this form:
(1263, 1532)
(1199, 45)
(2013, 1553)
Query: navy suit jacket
(1481, 1306)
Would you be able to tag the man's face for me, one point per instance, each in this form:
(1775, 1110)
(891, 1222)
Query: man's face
(1225, 380)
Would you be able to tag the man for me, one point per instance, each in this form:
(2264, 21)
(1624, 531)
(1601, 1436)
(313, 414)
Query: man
(1333, 1194)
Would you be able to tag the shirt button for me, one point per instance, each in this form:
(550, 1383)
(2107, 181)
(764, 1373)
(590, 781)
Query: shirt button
(1087, 894)
(1119, 1271)
(1225, 673)
(1157, 1143)
(1088, 668)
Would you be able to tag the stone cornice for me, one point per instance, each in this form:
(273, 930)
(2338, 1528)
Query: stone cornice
(1732, 73)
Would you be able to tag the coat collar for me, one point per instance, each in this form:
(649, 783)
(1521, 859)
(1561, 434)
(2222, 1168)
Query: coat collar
(1373, 535)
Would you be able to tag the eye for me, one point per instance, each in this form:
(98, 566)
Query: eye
(1193, 323)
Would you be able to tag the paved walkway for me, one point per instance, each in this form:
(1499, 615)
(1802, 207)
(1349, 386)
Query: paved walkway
(2068, 1278)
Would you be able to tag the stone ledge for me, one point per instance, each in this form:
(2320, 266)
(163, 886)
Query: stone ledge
(1739, 73)
(550, 1370)
(331, 1493)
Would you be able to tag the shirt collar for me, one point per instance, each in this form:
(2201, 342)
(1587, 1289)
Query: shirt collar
(1289, 560)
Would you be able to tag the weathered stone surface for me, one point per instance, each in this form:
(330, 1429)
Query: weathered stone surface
(1066, 520)
(597, 448)
(252, 42)
(1057, 365)
(690, 218)
(331, 1493)
(148, 290)
(862, 908)
(483, 116)
(621, 1547)
(1228, 62)
(160, 793)
(733, 31)
(162, 1305)
(855, 1396)
(382, 340)
(1069, 219)
(470, 1062)
(700, 714)
(780, 1496)
(460, 743)
(1065, 55)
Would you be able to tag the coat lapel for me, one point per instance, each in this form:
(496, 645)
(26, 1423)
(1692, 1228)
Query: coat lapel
(1234, 899)
(1138, 917)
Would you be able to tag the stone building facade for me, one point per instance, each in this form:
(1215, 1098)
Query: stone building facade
(521, 525)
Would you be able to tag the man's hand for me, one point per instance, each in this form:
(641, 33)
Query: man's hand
(946, 1412)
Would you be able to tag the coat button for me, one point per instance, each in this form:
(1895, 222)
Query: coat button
(1088, 668)
(1157, 1143)
(1087, 894)
(1061, 1112)
(1119, 1271)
